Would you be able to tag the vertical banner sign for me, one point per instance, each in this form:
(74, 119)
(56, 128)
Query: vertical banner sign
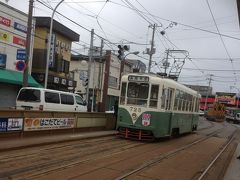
(3, 124)
(52, 50)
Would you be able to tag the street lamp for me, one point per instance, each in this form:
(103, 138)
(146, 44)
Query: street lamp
(123, 61)
(49, 43)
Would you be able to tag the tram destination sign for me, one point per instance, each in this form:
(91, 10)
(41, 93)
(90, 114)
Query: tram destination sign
(138, 78)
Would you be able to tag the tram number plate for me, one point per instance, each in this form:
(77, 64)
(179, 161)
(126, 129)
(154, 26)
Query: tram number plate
(135, 109)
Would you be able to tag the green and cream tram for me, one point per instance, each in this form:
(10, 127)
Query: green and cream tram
(152, 107)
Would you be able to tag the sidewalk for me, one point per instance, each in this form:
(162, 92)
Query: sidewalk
(18, 143)
(233, 171)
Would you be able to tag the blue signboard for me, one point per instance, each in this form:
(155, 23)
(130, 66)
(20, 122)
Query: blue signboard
(20, 27)
(21, 54)
(3, 124)
(3, 59)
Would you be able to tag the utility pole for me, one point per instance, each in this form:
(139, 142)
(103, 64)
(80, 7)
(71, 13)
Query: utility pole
(166, 64)
(89, 66)
(152, 49)
(209, 82)
(100, 76)
(28, 43)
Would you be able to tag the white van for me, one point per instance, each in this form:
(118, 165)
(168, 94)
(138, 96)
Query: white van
(30, 98)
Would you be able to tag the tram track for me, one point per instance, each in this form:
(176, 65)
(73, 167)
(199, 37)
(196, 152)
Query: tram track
(166, 155)
(41, 149)
(93, 154)
(42, 168)
(211, 164)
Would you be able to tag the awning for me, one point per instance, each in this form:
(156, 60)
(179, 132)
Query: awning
(14, 77)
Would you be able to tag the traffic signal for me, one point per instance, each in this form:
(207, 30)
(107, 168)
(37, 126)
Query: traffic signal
(120, 52)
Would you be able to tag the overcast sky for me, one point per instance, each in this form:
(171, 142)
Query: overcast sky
(196, 28)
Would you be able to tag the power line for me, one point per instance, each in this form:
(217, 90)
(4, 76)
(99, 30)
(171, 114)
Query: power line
(220, 70)
(186, 25)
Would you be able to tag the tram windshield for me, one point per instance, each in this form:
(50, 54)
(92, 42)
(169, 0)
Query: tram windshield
(137, 93)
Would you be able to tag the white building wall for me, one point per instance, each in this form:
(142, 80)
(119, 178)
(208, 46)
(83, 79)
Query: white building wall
(97, 78)
(13, 27)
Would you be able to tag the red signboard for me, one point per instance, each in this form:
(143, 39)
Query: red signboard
(19, 41)
(5, 21)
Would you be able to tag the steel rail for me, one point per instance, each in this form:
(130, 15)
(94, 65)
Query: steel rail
(217, 157)
(166, 155)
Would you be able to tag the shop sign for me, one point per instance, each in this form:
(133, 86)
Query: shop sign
(3, 60)
(21, 54)
(20, 27)
(64, 82)
(4, 21)
(56, 80)
(19, 41)
(11, 124)
(15, 124)
(36, 124)
(225, 98)
(3, 124)
(70, 83)
(4, 36)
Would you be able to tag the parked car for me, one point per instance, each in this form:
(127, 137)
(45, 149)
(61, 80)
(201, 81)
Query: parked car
(30, 98)
(201, 113)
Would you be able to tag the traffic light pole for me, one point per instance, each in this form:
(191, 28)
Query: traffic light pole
(28, 45)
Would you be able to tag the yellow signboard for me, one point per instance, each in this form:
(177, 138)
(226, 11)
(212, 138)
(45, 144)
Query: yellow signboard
(4, 36)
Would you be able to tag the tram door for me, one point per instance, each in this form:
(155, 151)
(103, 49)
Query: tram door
(166, 104)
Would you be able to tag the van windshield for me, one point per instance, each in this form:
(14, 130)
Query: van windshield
(29, 95)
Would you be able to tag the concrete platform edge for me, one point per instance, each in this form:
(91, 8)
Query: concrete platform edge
(52, 140)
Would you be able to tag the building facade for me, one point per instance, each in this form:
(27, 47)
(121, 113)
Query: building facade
(203, 90)
(105, 78)
(13, 33)
(59, 77)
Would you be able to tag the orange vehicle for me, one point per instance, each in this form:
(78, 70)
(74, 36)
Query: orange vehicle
(216, 113)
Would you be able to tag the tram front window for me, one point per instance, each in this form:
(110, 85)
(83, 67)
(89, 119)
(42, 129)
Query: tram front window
(137, 93)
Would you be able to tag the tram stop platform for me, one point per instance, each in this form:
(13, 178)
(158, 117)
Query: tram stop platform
(20, 143)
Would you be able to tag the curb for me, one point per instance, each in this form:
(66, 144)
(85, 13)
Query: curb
(48, 142)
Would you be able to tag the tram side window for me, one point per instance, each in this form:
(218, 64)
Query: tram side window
(123, 93)
(163, 98)
(177, 99)
(154, 96)
(197, 105)
(169, 99)
(191, 103)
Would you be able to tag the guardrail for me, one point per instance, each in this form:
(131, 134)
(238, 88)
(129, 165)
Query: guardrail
(23, 122)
